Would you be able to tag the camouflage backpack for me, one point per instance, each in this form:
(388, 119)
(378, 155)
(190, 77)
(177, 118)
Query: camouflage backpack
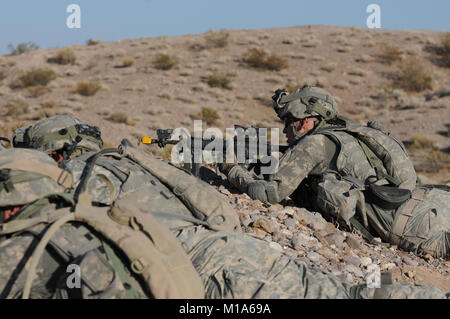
(153, 253)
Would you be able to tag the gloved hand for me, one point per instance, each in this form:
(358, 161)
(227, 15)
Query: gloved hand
(225, 167)
(257, 190)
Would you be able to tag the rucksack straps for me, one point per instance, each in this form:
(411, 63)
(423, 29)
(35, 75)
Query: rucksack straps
(58, 175)
(200, 198)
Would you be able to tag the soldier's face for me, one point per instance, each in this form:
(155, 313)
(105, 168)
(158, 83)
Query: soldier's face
(299, 127)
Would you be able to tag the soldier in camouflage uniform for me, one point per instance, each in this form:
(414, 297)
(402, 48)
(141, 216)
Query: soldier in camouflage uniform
(356, 174)
(230, 264)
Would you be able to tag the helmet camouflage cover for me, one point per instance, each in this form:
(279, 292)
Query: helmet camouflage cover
(307, 101)
(27, 175)
(58, 132)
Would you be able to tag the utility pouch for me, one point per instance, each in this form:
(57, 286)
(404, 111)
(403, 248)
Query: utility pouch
(387, 197)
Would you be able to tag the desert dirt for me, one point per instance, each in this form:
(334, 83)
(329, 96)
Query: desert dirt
(347, 62)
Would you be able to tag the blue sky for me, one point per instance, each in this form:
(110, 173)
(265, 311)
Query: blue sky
(44, 21)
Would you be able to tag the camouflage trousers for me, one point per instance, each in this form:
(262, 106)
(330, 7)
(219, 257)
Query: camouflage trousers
(428, 228)
(237, 265)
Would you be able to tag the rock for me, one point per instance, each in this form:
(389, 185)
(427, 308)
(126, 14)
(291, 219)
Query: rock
(411, 274)
(302, 240)
(335, 239)
(255, 215)
(264, 225)
(314, 257)
(428, 257)
(366, 261)
(353, 243)
(352, 260)
(274, 208)
(317, 222)
(302, 261)
(291, 223)
(276, 246)
(327, 253)
(354, 270)
(336, 272)
(245, 220)
(388, 266)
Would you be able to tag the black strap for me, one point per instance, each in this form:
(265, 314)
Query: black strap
(87, 172)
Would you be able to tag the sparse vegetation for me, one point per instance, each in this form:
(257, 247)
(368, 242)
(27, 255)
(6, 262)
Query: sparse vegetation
(164, 61)
(421, 142)
(37, 91)
(37, 77)
(412, 76)
(219, 80)
(292, 87)
(435, 159)
(88, 88)
(217, 39)
(118, 117)
(445, 42)
(209, 115)
(22, 47)
(166, 153)
(63, 57)
(49, 104)
(127, 62)
(391, 54)
(260, 59)
(92, 42)
(17, 107)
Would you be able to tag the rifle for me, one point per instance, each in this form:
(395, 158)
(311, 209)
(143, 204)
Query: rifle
(164, 137)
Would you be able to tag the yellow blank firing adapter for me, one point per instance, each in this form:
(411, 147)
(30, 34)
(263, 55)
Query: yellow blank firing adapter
(146, 140)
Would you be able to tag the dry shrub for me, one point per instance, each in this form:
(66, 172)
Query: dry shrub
(391, 54)
(292, 87)
(17, 107)
(219, 80)
(209, 115)
(164, 61)
(88, 88)
(22, 47)
(445, 42)
(421, 142)
(166, 153)
(37, 77)
(260, 59)
(92, 42)
(127, 62)
(118, 117)
(218, 39)
(37, 91)
(49, 104)
(435, 160)
(412, 76)
(63, 57)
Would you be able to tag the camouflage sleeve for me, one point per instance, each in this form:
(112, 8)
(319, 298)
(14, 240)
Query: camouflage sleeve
(311, 155)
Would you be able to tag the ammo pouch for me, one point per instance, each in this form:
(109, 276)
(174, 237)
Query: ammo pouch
(387, 197)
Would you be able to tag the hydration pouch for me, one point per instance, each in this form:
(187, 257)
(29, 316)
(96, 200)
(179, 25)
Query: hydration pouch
(387, 197)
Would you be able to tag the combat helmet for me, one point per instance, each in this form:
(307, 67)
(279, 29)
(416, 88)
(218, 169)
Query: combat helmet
(27, 176)
(65, 134)
(307, 101)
